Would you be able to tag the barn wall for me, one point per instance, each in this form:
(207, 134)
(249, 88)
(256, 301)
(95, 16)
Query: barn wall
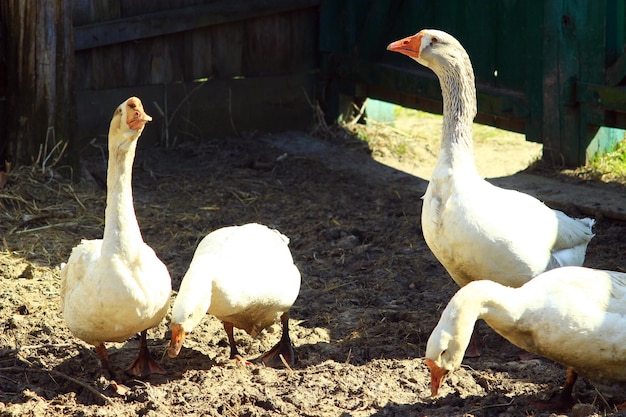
(214, 67)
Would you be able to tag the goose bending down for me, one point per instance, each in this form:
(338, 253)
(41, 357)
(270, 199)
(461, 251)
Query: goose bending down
(475, 229)
(115, 287)
(244, 276)
(575, 316)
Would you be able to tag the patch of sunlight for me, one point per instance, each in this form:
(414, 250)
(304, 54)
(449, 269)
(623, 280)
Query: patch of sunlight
(412, 144)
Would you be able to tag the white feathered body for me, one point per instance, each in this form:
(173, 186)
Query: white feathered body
(480, 231)
(575, 316)
(243, 275)
(108, 298)
(475, 229)
(114, 287)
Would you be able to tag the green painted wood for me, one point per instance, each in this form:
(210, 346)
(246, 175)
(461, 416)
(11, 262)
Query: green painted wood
(502, 103)
(544, 68)
(533, 70)
(379, 111)
(560, 70)
(615, 40)
(604, 141)
(592, 70)
(616, 72)
(615, 30)
(356, 32)
(609, 98)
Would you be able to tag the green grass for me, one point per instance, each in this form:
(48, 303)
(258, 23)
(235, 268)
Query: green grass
(610, 166)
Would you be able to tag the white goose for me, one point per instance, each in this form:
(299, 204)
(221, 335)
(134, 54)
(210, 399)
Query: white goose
(573, 315)
(475, 229)
(115, 287)
(244, 276)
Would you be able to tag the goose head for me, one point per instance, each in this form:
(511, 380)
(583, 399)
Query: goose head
(192, 302)
(432, 48)
(184, 319)
(444, 353)
(128, 120)
(447, 58)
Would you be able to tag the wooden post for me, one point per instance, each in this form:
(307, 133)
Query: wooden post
(40, 101)
(573, 51)
(3, 107)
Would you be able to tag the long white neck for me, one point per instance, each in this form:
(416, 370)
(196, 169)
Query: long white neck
(459, 109)
(500, 306)
(497, 304)
(121, 230)
(194, 295)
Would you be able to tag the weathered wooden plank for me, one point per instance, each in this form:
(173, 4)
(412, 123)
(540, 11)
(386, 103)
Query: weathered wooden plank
(509, 41)
(140, 7)
(591, 33)
(3, 94)
(165, 58)
(271, 104)
(227, 48)
(560, 117)
(533, 69)
(373, 32)
(276, 44)
(268, 45)
(198, 54)
(616, 72)
(280, 44)
(40, 66)
(609, 98)
(219, 107)
(615, 40)
(500, 103)
(102, 67)
(179, 20)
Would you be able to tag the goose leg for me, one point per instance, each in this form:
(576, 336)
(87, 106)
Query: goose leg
(234, 353)
(283, 347)
(103, 355)
(144, 365)
(475, 344)
(566, 395)
(564, 401)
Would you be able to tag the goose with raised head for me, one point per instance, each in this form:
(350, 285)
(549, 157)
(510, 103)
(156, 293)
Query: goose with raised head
(575, 316)
(245, 276)
(115, 287)
(475, 229)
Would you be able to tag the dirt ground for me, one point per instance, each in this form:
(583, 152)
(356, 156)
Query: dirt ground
(371, 291)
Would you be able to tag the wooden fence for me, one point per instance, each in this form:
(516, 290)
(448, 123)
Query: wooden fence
(554, 70)
(200, 67)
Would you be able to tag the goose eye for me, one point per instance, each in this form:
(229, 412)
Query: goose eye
(434, 40)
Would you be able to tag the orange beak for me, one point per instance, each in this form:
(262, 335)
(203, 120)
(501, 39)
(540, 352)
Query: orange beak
(176, 343)
(408, 46)
(436, 376)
